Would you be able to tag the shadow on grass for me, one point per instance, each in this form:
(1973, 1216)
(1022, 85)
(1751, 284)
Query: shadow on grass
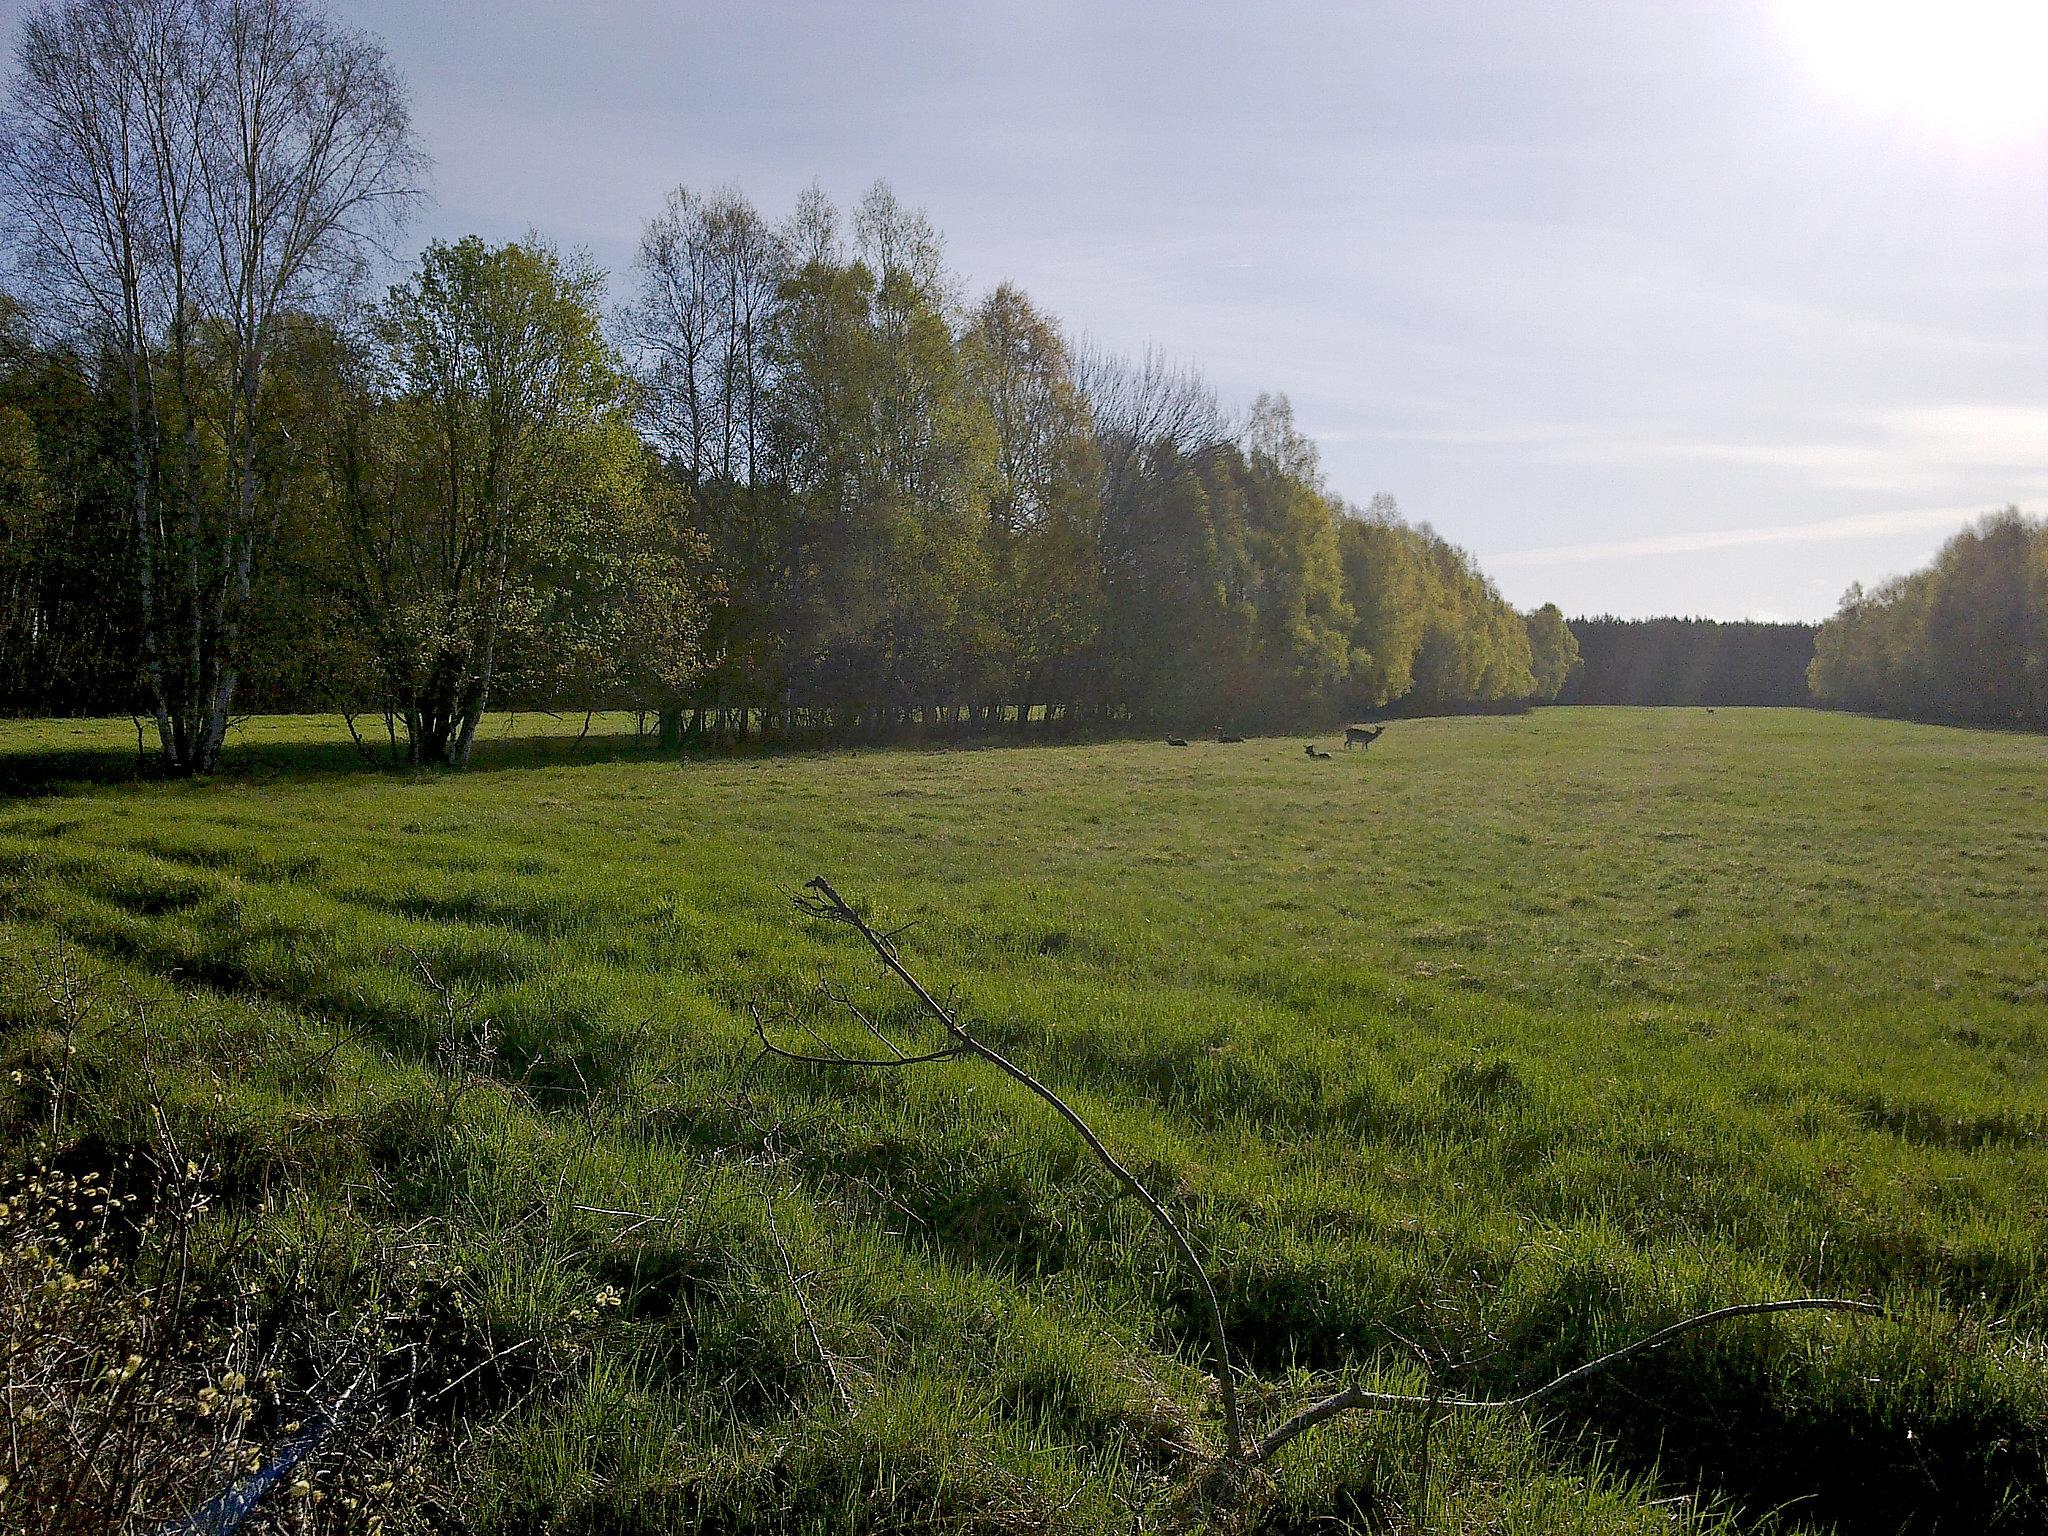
(36, 770)
(31, 767)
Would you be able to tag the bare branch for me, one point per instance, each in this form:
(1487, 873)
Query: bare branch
(803, 1306)
(845, 1000)
(827, 904)
(770, 1048)
(1360, 1397)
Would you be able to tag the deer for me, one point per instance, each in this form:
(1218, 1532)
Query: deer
(1362, 735)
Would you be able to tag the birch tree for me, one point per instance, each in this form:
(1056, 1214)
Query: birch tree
(181, 178)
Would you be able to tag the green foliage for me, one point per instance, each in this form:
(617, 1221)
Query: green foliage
(888, 458)
(923, 515)
(1429, 627)
(1043, 605)
(68, 640)
(500, 527)
(1553, 651)
(815, 493)
(1965, 639)
(1304, 617)
(24, 520)
(1433, 1053)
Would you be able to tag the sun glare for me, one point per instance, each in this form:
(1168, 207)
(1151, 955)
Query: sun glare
(1968, 70)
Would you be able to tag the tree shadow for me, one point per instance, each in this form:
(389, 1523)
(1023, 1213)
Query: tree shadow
(33, 766)
(33, 769)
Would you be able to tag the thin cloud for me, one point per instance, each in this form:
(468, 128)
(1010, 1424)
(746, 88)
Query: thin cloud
(1899, 452)
(1863, 526)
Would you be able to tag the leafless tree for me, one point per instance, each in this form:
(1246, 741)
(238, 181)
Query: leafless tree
(900, 241)
(180, 180)
(709, 268)
(1272, 438)
(698, 336)
(1138, 404)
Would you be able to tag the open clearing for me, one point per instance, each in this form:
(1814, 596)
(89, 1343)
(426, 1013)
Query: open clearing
(1505, 1041)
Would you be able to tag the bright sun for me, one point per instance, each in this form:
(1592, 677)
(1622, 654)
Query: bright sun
(1971, 70)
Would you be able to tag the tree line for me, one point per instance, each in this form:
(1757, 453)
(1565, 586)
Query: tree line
(799, 482)
(1964, 639)
(1689, 662)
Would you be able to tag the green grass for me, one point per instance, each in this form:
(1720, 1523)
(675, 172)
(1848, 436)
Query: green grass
(1504, 1041)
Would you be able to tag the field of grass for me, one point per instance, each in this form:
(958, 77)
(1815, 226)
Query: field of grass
(1493, 1047)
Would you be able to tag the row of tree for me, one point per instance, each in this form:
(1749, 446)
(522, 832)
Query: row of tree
(920, 506)
(799, 483)
(1689, 661)
(1964, 639)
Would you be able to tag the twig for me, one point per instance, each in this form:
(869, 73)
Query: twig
(482, 1365)
(840, 996)
(770, 1048)
(1361, 1397)
(828, 904)
(637, 1219)
(803, 1307)
(221, 1515)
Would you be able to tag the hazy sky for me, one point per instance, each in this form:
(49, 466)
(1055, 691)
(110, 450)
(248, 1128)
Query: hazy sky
(1697, 306)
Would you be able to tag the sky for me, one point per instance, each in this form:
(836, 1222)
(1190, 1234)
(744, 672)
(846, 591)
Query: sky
(1656, 306)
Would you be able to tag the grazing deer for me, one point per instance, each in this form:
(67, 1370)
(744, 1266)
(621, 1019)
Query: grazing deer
(1229, 740)
(1362, 735)
(1176, 741)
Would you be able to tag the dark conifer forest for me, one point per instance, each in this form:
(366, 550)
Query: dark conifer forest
(1689, 661)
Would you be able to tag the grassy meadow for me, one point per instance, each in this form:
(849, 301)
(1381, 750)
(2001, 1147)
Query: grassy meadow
(1484, 1051)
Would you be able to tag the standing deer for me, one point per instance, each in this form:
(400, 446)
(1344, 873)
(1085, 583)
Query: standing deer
(1362, 735)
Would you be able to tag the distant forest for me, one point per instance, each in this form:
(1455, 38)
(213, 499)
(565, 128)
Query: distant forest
(1689, 661)
(798, 482)
(1966, 639)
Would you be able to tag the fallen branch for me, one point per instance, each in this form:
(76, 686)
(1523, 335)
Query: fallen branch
(803, 1307)
(770, 1048)
(829, 905)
